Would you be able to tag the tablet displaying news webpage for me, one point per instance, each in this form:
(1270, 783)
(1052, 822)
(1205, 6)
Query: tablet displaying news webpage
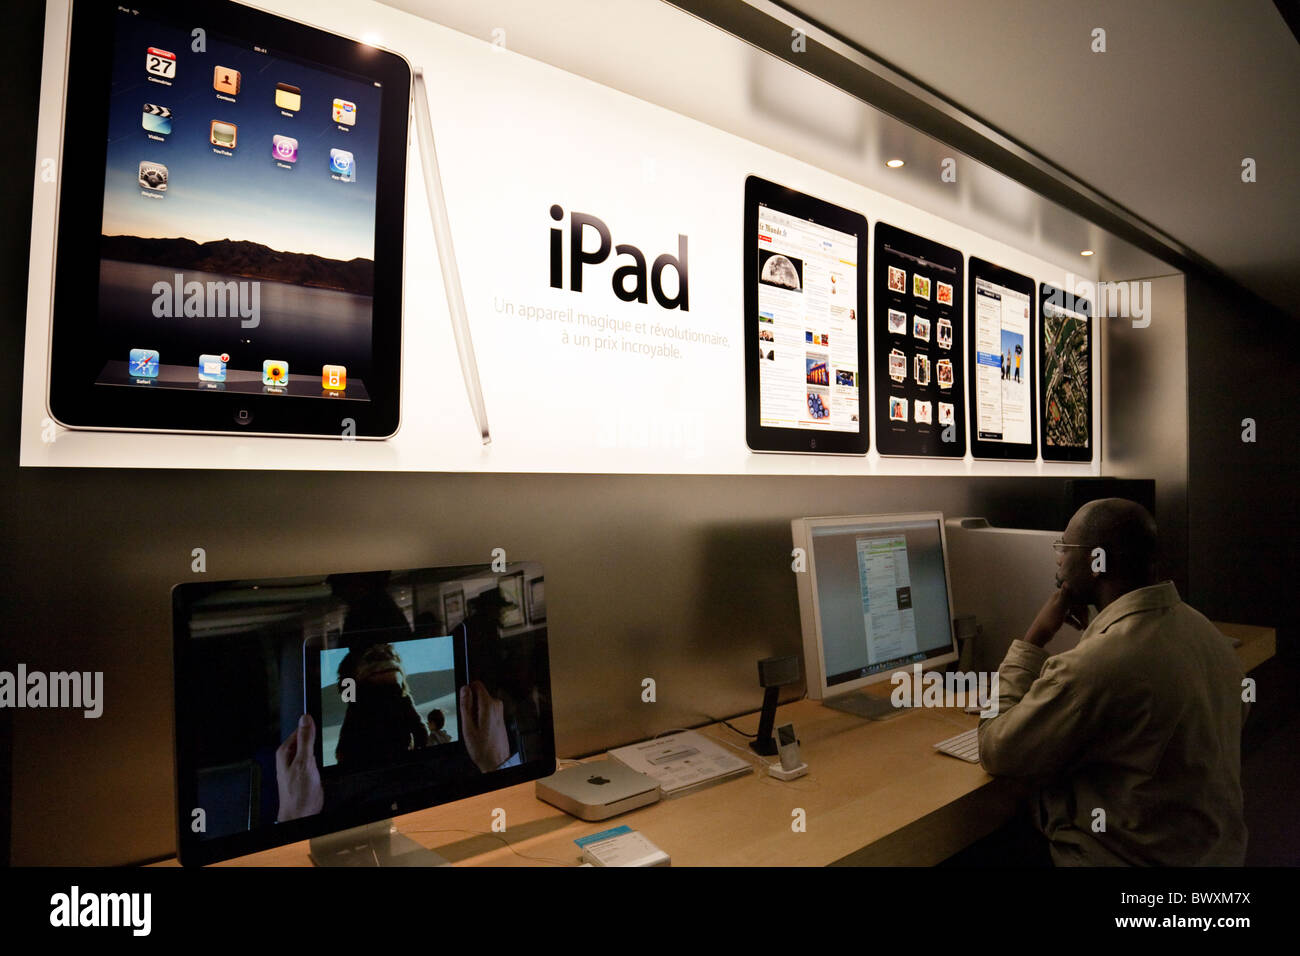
(809, 372)
(1002, 364)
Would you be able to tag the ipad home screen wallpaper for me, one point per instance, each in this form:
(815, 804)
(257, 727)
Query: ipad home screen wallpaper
(239, 217)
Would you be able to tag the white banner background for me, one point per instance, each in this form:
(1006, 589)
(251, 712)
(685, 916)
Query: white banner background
(515, 136)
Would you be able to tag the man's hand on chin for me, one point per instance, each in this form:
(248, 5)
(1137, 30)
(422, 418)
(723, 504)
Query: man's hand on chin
(1061, 608)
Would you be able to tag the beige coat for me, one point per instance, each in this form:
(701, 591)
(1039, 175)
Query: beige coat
(1141, 721)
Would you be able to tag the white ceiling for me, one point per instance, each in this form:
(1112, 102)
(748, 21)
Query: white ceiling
(1159, 123)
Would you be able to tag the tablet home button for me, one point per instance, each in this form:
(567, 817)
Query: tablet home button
(243, 417)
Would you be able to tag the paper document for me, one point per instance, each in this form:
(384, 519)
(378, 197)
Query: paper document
(682, 762)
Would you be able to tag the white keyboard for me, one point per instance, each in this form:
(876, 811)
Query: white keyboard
(964, 746)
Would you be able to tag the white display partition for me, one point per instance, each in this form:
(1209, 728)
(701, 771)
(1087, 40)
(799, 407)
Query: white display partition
(656, 394)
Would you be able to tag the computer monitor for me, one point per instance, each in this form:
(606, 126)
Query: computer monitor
(329, 703)
(875, 599)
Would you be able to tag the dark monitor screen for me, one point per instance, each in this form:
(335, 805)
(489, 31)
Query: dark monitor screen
(309, 705)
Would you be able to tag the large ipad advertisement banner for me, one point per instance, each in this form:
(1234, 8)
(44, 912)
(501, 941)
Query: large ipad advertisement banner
(598, 242)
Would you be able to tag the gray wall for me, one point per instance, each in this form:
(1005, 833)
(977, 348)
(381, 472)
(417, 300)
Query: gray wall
(1144, 411)
(1243, 501)
(683, 579)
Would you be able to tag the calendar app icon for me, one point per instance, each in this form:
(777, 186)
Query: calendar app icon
(160, 63)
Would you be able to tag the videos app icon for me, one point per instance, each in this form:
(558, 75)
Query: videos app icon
(156, 119)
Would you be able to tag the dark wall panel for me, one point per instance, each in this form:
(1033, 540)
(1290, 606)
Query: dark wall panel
(683, 579)
(1242, 534)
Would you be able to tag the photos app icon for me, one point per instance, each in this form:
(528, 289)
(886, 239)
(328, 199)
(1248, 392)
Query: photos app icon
(275, 373)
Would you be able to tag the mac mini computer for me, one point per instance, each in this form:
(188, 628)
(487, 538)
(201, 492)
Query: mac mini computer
(599, 790)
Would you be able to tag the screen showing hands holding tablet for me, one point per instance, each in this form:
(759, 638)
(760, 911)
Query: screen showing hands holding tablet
(230, 229)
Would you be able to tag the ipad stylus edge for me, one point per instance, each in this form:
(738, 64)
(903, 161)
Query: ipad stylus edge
(447, 255)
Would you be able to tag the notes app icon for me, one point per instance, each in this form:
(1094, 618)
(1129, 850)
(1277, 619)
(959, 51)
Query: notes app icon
(288, 97)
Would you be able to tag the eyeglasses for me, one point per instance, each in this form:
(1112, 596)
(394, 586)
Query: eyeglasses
(1059, 546)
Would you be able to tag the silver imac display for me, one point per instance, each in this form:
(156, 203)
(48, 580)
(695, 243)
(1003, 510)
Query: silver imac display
(874, 600)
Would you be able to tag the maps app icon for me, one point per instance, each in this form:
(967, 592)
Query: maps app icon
(343, 165)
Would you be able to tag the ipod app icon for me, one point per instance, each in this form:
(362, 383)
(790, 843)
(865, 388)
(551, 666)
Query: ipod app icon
(284, 148)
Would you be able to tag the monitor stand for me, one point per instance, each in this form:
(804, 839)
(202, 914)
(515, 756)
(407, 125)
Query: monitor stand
(375, 844)
(864, 705)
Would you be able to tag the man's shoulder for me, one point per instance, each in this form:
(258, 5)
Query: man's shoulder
(1103, 655)
(1115, 650)
(1095, 658)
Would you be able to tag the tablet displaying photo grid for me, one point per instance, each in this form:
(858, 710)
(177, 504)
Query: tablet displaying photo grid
(920, 402)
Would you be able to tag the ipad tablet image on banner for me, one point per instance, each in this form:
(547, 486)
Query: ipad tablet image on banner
(1002, 333)
(920, 403)
(238, 221)
(1065, 390)
(805, 323)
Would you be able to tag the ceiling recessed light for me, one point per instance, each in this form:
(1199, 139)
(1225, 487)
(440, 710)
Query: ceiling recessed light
(894, 163)
(1086, 252)
(372, 39)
